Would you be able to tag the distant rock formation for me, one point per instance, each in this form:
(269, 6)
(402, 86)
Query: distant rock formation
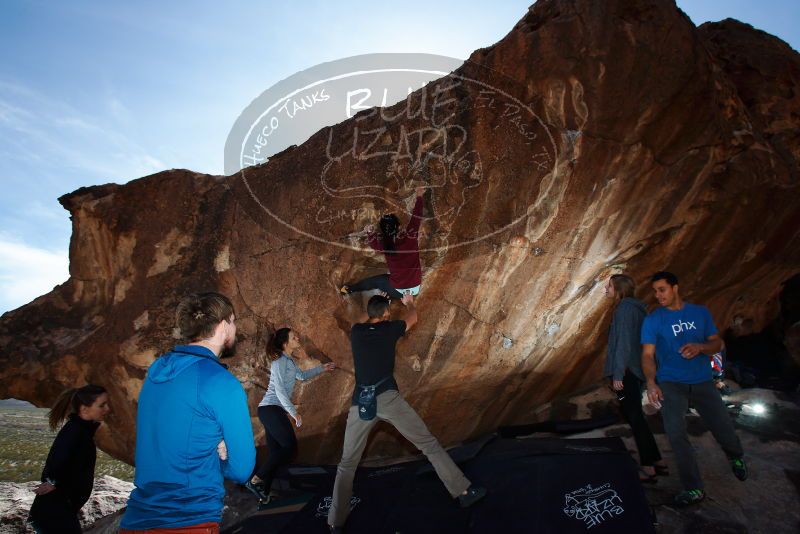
(596, 137)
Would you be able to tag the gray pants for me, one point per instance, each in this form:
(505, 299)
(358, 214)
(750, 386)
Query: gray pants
(393, 409)
(706, 400)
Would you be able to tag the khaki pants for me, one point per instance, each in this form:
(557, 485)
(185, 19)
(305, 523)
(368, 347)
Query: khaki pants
(393, 409)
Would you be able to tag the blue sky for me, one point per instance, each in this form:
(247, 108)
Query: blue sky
(97, 92)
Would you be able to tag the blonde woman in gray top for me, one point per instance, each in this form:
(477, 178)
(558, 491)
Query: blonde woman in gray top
(276, 407)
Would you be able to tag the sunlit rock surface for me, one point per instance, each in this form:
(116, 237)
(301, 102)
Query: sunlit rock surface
(594, 138)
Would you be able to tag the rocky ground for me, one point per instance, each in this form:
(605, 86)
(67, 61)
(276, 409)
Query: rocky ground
(768, 502)
(109, 495)
(25, 441)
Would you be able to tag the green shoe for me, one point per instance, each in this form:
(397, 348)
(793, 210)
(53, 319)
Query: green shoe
(739, 468)
(685, 498)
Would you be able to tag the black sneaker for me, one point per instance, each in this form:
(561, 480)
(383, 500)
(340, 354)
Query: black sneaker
(685, 498)
(739, 468)
(473, 495)
(255, 490)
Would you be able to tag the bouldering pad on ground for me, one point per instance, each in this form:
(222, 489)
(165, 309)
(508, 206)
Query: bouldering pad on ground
(535, 485)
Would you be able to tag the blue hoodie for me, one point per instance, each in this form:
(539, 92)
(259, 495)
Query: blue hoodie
(188, 403)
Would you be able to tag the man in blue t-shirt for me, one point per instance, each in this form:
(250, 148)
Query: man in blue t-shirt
(677, 339)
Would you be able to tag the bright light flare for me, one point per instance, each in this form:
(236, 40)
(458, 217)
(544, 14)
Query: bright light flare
(756, 408)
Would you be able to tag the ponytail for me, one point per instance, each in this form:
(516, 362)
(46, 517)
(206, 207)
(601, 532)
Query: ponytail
(277, 342)
(62, 408)
(70, 401)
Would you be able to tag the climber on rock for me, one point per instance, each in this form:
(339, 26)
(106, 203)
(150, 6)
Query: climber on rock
(401, 249)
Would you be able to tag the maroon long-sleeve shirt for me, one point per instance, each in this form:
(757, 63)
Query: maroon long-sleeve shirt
(405, 270)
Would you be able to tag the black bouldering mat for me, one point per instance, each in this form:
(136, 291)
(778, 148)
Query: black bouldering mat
(535, 485)
(558, 427)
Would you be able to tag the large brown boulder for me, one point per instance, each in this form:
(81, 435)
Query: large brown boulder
(595, 137)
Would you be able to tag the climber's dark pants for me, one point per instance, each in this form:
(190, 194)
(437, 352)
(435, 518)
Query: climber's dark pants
(380, 281)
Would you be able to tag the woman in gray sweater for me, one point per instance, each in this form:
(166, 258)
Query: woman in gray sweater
(276, 407)
(624, 369)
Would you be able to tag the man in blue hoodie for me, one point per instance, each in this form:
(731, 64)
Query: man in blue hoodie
(191, 409)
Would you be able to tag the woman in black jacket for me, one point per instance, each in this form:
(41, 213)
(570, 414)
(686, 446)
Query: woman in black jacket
(624, 369)
(68, 475)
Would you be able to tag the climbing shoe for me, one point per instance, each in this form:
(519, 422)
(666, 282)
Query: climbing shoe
(473, 495)
(685, 498)
(739, 468)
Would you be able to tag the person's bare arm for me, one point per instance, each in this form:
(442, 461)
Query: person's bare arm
(712, 345)
(649, 369)
(410, 315)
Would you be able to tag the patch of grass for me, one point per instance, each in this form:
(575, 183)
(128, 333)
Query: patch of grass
(25, 440)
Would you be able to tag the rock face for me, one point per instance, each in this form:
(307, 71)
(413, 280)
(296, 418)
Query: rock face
(596, 137)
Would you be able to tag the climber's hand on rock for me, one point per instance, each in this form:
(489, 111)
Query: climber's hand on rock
(330, 366)
(408, 298)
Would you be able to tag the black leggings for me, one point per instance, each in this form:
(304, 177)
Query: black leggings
(380, 281)
(631, 407)
(52, 514)
(281, 442)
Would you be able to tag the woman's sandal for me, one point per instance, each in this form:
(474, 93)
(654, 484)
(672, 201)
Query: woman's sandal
(661, 470)
(645, 478)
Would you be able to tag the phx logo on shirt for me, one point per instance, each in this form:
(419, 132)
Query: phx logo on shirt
(683, 326)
